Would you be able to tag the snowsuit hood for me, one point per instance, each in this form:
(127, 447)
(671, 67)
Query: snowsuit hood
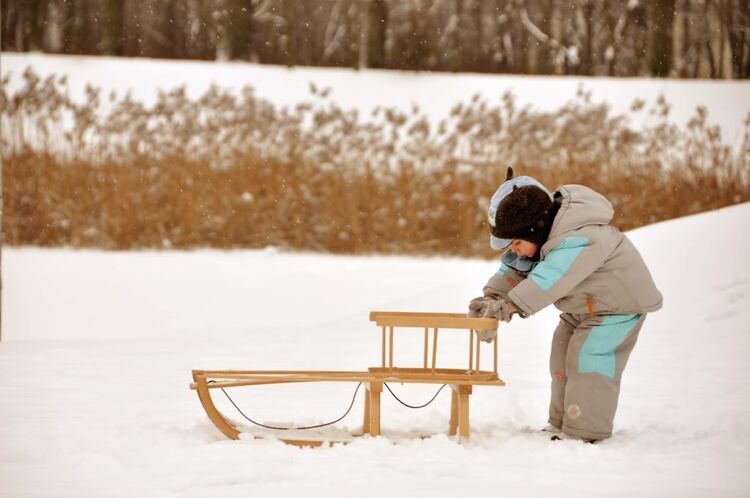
(580, 206)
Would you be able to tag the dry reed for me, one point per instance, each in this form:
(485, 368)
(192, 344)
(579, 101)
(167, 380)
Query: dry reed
(231, 171)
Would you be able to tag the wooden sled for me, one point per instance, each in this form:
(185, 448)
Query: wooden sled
(461, 381)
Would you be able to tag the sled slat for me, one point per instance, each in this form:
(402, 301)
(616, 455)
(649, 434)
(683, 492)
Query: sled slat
(463, 322)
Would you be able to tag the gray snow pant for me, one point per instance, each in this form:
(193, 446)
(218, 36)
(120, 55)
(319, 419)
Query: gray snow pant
(588, 356)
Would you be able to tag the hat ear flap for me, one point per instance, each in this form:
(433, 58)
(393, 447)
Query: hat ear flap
(509, 174)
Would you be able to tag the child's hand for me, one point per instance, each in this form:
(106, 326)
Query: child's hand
(487, 335)
(477, 306)
(499, 309)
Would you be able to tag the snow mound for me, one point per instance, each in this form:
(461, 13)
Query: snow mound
(97, 351)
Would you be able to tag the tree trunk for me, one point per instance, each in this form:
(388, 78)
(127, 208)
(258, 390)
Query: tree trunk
(413, 56)
(587, 56)
(53, 35)
(521, 53)
(37, 20)
(455, 23)
(113, 39)
(683, 48)
(660, 21)
(84, 29)
(377, 29)
(364, 34)
(290, 33)
(9, 23)
(708, 42)
(545, 53)
(238, 28)
(473, 39)
(499, 50)
(735, 18)
(69, 26)
(132, 35)
(201, 31)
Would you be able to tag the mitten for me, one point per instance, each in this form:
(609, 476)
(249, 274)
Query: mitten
(487, 335)
(477, 306)
(497, 309)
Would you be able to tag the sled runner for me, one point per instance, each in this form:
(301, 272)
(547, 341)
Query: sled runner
(461, 381)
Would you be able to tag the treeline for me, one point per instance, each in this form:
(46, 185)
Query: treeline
(675, 38)
(232, 170)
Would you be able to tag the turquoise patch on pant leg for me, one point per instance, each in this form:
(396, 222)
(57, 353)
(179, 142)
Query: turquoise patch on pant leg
(598, 351)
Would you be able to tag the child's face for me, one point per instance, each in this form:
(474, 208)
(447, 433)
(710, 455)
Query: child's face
(524, 248)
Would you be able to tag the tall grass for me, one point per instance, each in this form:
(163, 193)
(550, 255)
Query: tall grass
(227, 170)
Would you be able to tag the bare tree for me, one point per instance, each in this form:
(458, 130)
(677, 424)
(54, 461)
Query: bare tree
(335, 32)
(698, 38)
(235, 19)
(9, 17)
(410, 44)
(660, 24)
(290, 34)
(23, 24)
(377, 29)
(53, 35)
(363, 9)
(501, 45)
(556, 47)
(735, 16)
(585, 21)
(682, 35)
(133, 29)
(618, 35)
(201, 30)
(113, 23)
(471, 33)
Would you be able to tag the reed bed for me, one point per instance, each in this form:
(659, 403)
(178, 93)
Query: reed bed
(231, 170)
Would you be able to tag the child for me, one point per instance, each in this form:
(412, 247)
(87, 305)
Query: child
(561, 249)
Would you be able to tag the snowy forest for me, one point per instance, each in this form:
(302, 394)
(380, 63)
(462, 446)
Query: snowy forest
(656, 38)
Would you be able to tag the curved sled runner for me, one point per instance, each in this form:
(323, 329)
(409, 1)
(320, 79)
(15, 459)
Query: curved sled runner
(460, 380)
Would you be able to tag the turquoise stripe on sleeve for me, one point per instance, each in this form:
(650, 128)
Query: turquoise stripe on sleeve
(557, 262)
(598, 352)
(502, 270)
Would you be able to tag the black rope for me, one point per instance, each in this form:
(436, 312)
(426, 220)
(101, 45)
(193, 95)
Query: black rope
(414, 406)
(295, 428)
(327, 423)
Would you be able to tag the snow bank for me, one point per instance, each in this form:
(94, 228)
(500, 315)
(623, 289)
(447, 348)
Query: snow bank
(97, 351)
(728, 102)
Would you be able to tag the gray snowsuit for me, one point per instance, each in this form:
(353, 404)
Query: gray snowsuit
(597, 278)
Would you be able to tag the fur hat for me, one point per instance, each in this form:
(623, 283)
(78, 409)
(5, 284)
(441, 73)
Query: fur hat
(522, 208)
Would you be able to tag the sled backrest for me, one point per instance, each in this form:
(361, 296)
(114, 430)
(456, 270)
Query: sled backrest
(433, 321)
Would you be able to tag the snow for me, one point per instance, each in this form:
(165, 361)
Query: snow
(727, 102)
(97, 350)
(97, 347)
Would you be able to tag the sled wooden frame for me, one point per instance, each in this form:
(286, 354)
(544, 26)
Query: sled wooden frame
(461, 381)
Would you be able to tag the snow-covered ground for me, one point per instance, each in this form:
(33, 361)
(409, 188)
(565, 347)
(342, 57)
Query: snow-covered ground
(727, 102)
(97, 350)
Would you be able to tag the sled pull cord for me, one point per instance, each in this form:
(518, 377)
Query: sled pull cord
(287, 428)
(356, 390)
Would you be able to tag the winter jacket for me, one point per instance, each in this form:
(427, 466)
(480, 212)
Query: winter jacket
(586, 266)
